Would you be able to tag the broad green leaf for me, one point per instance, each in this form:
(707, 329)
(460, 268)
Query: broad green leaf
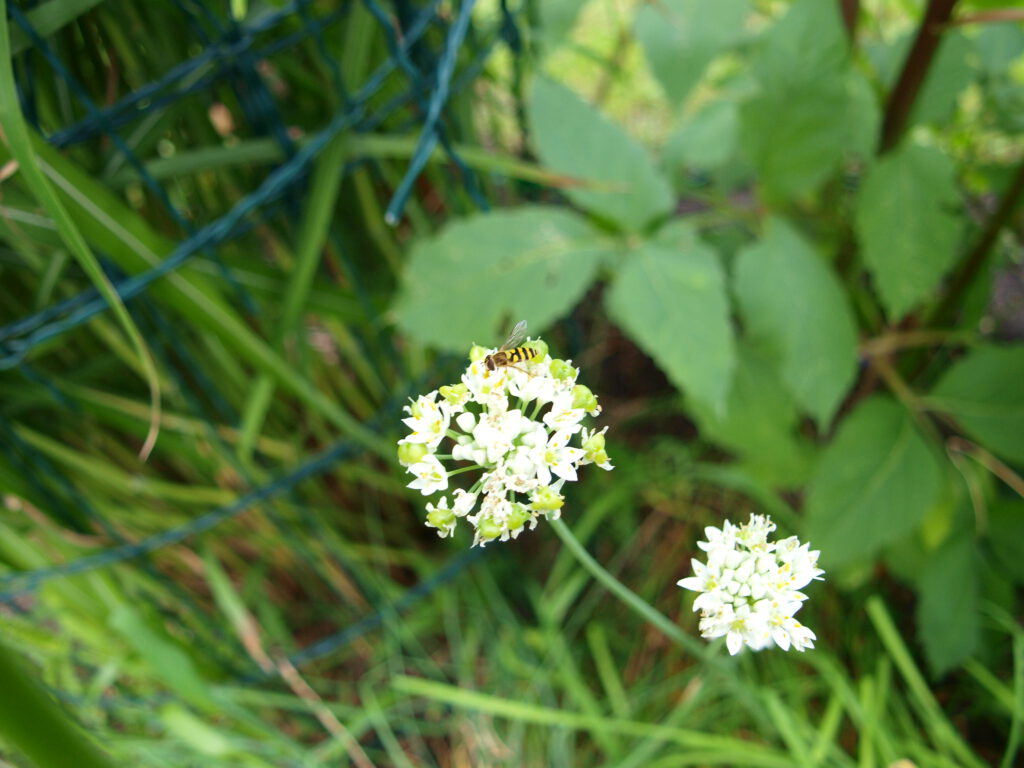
(705, 140)
(984, 392)
(795, 308)
(808, 43)
(1006, 537)
(796, 135)
(468, 283)
(575, 139)
(797, 126)
(670, 298)
(947, 77)
(875, 482)
(864, 115)
(908, 225)
(680, 38)
(949, 73)
(947, 611)
(759, 421)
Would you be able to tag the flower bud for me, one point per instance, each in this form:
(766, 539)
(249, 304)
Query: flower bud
(477, 353)
(488, 528)
(583, 398)
(441, 518)
(455, 394)
(594, 443)
(547, 499)
(517, 517)
(540, 346)
(560, 369)
(411, 453)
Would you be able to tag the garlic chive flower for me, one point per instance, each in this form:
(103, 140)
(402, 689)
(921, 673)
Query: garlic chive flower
(515, 432)
(749, 587)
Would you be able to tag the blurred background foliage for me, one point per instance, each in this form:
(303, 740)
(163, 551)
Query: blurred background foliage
(782, 240)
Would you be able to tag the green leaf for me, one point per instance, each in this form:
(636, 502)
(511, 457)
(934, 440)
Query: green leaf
(907, 224)
(469, 282)
(947, 611)
(796, 128)
(1006, 537)
(985, 394)
(864, 116)
(574, 139)
(681, 37)
(670, 298)
(949, 73)
(806, 44)
(758, 423)
(706, 140)
(795, 136)
(947, 77)
(795, 307)
(875, 482)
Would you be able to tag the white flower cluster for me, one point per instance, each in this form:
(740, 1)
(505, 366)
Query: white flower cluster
(750, 586)
(515, 423)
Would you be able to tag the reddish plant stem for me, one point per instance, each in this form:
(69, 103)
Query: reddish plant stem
(976, 259)
(850, 9)
(915, 68)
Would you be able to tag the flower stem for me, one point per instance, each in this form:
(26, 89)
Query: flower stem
(648, 612)
(745, 694)
(460, 470)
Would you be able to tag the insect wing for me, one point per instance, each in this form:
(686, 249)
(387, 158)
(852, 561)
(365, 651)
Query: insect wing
(517, 335)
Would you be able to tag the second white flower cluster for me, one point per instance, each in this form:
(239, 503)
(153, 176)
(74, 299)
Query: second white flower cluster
(750, 587)
(514, 424)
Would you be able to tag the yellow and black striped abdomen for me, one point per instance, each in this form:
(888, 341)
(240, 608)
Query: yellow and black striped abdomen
(520, 354)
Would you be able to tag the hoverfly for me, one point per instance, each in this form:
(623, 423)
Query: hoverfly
(508, 353)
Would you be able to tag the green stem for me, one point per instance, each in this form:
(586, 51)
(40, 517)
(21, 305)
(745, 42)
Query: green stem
(723, 667)
(35, 725)
(646, 611)
(460, 470)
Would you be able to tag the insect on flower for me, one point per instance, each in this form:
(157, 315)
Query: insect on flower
(510, 353)
(519, 429)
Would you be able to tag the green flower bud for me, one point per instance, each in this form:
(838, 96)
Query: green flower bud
(488, 528)
(441, 518)
(599, 457)
(594, 443)
(540, 346)
(411, 453)
(583, 398)
(477, 353)
(453, 394)
(562, 370)
(518, 517)
(547, 499)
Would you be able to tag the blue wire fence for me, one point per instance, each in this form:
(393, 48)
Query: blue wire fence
(429, 58)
